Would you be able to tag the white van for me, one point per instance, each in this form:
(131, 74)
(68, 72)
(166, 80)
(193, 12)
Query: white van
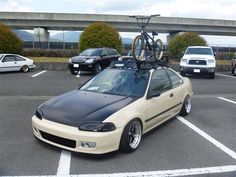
(198, 60)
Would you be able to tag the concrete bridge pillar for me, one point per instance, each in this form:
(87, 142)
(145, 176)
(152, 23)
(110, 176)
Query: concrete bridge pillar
(41, 34)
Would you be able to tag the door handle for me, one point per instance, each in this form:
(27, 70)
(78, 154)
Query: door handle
(171, 95)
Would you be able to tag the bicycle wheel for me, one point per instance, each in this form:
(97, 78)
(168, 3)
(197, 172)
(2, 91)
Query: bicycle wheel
(158, 49)
(138, 48)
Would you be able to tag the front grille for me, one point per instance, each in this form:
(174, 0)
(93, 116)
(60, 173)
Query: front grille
(197, 62)
(58, 140)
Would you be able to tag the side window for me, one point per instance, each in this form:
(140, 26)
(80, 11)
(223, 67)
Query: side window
(160, 81)
(18, 58)
(9, 58)
(104, 52)
(112, 52)
(175, 79)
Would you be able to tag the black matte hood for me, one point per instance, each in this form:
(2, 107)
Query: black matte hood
(76, 107)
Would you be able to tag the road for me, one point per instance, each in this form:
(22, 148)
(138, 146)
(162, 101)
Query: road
(201, 144)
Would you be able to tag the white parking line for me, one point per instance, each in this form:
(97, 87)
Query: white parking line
(227, 100)
(225, 75)
(209, 138)
(165, 173)
(78, 74)
(64, 163)
(35, 75)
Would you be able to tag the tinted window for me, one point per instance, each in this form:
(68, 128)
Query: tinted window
(175, 79)
(91, 52)
(104, 52)
(119, 82)
(9, 58)
(112, 52)
(199, 51)
(160, 81)
(18, 58)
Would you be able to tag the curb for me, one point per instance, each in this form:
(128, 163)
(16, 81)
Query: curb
(60, 66)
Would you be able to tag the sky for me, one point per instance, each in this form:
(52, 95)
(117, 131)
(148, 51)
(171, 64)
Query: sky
(210, 9)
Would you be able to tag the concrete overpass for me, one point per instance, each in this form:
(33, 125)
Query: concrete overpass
(42, 22)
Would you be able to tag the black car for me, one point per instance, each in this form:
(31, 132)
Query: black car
(93, 59)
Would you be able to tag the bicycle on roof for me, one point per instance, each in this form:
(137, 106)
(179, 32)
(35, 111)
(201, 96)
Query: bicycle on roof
(144, 46)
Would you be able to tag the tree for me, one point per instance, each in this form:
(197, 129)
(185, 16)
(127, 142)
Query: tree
(178, 44)
(9, 42)
(100, 35)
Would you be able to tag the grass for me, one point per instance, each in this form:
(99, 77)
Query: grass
(49, 59)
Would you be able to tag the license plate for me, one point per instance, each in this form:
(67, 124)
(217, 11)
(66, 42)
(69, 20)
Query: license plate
(76, 65)
(196, 70)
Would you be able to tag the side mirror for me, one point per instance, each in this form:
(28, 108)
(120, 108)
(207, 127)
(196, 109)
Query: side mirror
(153, 93)
(214, 54)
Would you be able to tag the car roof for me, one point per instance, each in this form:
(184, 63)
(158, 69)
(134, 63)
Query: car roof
(200, 47)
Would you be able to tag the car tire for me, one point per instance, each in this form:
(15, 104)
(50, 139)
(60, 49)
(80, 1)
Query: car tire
(131, 136)
(25, 68)
(182, 73)
(97, 68)
(186, 107)
(72, 72)
(234, 71)
(212, 76)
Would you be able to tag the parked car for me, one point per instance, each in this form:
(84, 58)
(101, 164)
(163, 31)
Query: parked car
(93, 59)
(113, 109)
(198, 60)
(233, 66)
(13, 62)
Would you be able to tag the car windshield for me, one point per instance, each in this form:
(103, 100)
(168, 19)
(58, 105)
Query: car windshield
(91, 52)
(199, 51)
(119, 82)
(1, 56)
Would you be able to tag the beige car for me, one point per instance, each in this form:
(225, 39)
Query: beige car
(114, 109)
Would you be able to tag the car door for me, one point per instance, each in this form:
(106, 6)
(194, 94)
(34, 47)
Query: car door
(113, 55)
(160, 107)
(177, 84)
(9, 63)
(105, 58)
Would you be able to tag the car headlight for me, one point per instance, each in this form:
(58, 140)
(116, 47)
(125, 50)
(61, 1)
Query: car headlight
(211, 61)
(39, 114)
(97, 126)
(70, 60)
(184, 60)
(89, 61)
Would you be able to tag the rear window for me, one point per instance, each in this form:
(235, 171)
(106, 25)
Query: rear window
(199, 51)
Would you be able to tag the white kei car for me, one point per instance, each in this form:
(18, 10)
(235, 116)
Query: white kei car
(14, 62)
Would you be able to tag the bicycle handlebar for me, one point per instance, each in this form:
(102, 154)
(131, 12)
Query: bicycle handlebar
(143, 20)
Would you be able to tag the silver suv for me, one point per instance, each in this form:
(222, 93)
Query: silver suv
(198, 60)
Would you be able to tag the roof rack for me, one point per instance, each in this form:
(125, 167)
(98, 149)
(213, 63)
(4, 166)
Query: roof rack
(133, 64)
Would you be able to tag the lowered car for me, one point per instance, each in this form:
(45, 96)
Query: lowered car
(93, 59)
(14, 62)
(113, 109)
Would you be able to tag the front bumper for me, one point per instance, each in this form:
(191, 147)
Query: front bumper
(70, 138)
(197, 70)
(81, 66)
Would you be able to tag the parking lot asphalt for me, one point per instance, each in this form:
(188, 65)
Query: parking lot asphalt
(201, 144)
